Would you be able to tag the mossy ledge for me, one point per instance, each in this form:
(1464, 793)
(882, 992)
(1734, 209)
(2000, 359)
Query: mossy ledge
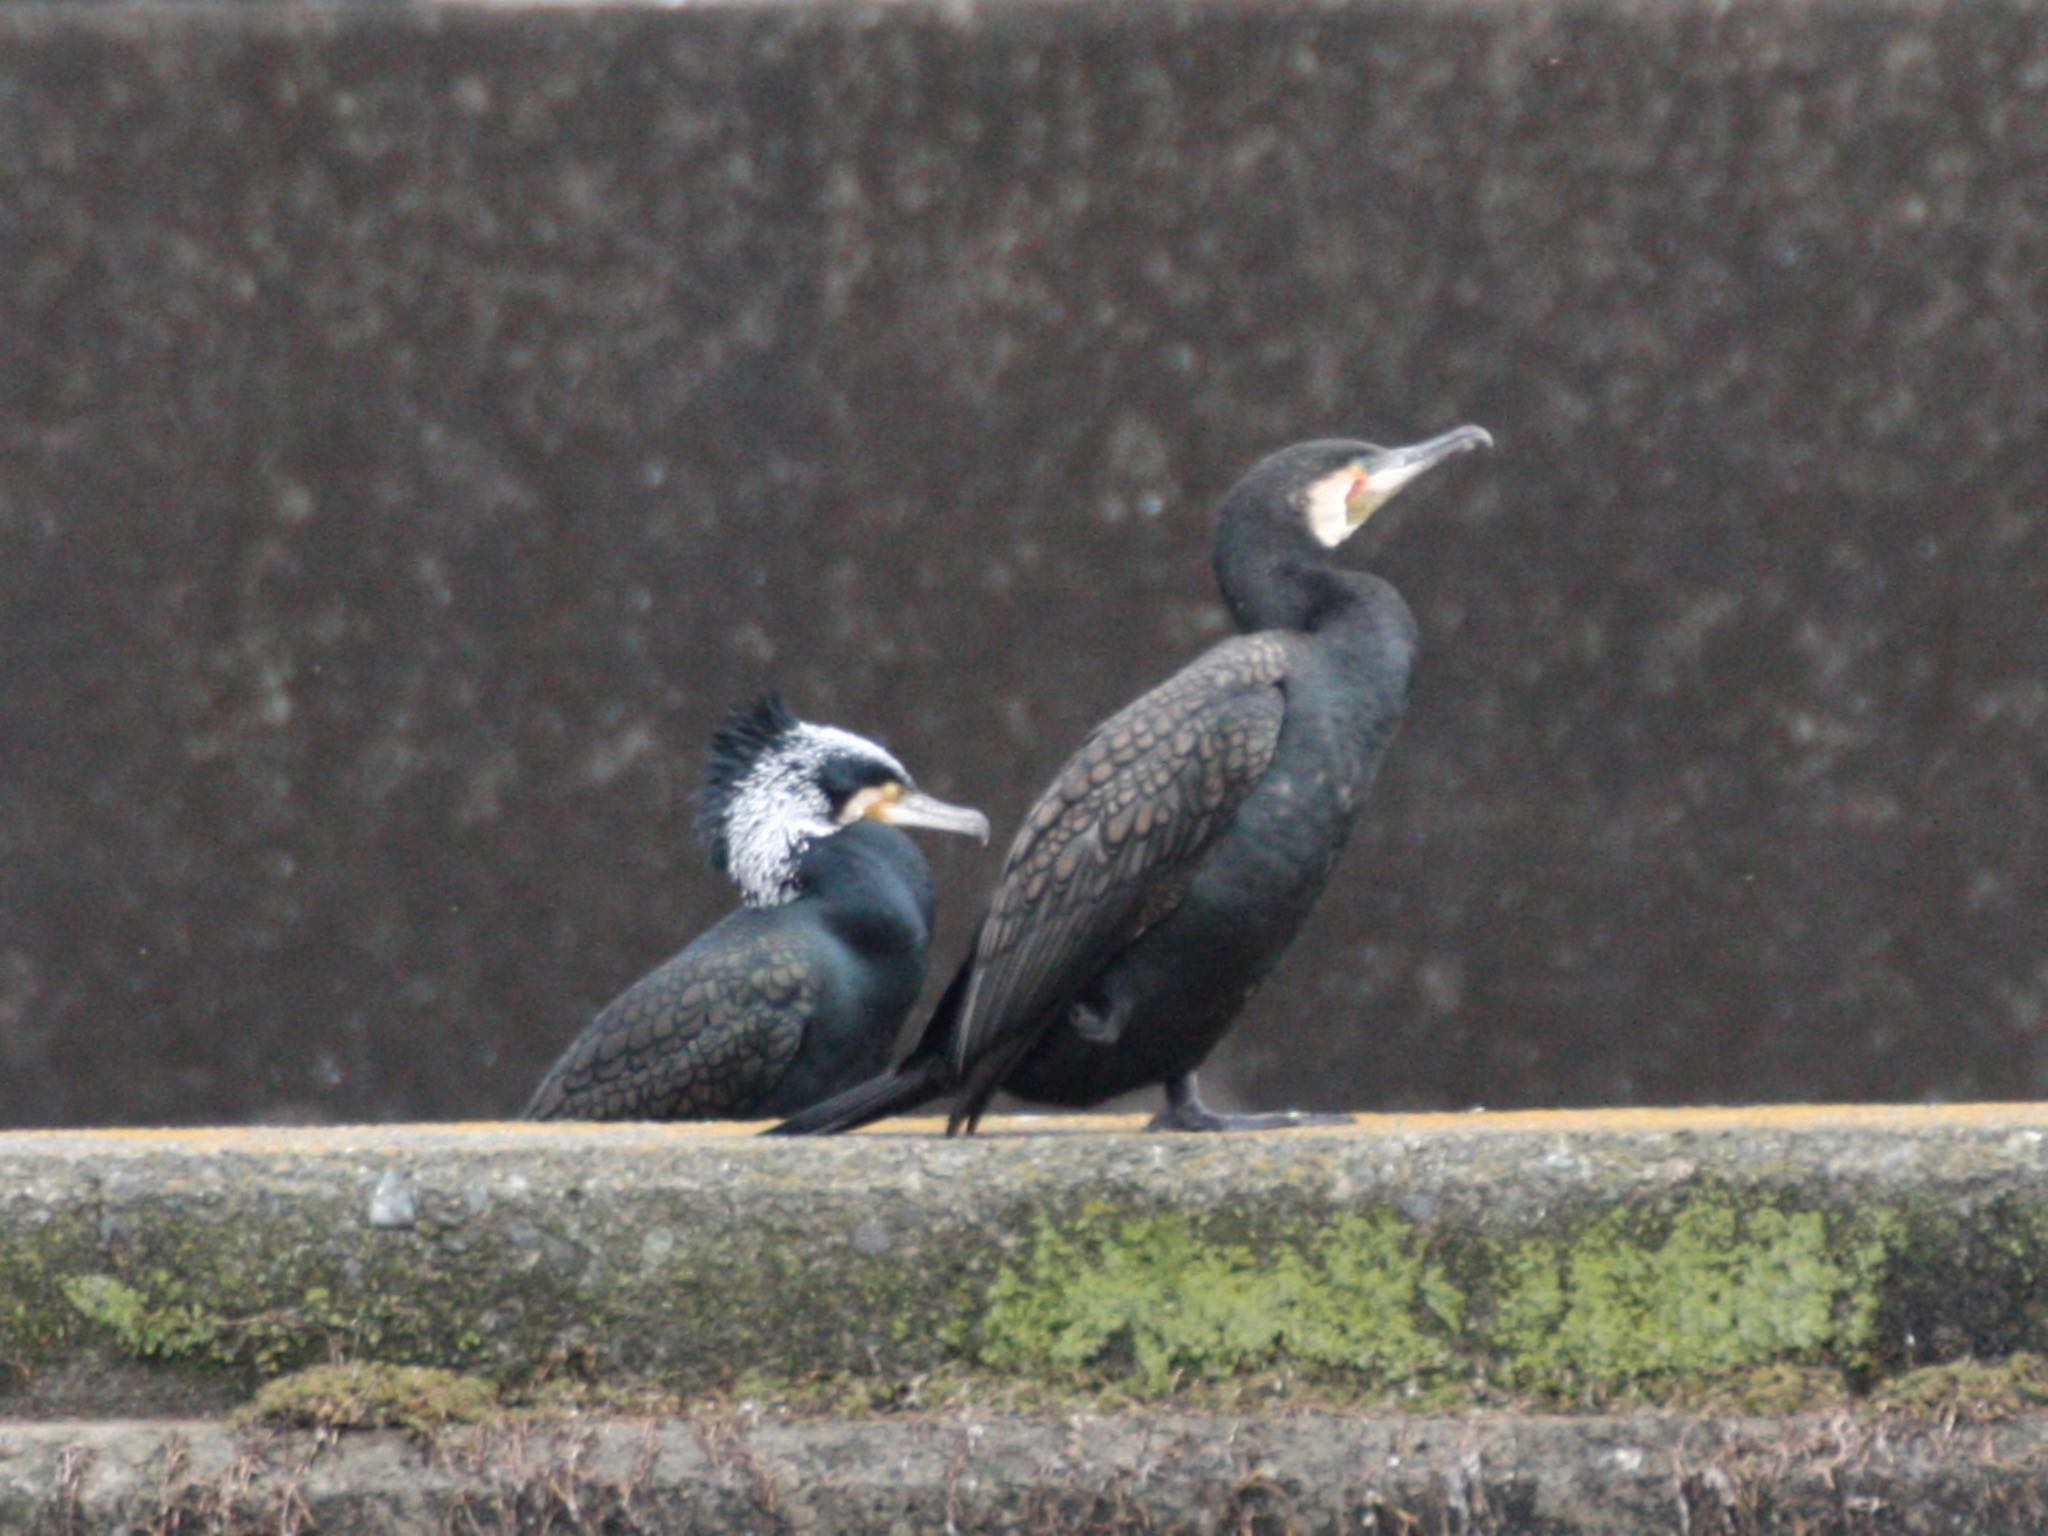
(1562, 1260)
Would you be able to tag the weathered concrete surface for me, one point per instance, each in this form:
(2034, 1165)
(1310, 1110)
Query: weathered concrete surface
(1544, 1258)
(417, 423)
(1100, 1475)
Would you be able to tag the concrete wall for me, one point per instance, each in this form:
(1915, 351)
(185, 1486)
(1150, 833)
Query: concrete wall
(1823, 1320)
(417, 424)
(1517, 1261)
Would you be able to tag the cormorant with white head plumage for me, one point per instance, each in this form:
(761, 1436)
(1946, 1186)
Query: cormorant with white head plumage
(800, 992)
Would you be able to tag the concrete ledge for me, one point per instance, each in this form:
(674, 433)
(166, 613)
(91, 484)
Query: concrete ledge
(1566, 1258)
(1422, 1477)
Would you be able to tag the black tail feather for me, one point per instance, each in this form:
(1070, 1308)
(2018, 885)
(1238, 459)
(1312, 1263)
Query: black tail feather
(918, 1081)
(925, 1074)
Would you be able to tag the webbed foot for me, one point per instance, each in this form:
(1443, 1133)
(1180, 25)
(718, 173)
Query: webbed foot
(1185, 1111)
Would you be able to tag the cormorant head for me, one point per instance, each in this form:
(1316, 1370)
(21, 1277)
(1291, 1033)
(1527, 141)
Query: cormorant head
(774, 784)
(1366, 477)
(1331, 487)
(1278, 524)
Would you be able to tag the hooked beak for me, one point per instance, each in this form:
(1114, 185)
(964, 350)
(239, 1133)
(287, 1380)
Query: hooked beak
(1391, 468)
(914, 808)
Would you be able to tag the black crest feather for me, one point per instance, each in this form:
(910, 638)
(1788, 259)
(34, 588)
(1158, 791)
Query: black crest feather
(746, 733)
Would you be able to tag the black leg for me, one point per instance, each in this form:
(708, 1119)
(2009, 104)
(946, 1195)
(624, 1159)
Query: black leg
(1185, 1111)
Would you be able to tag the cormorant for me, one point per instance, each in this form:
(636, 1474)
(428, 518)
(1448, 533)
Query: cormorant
(1156, 882)
(798, 993)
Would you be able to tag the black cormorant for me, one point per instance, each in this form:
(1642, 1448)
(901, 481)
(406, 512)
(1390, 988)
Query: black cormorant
(1167, 868)
(800, 992)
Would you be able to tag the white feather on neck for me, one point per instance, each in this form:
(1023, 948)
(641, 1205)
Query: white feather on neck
(778, 810)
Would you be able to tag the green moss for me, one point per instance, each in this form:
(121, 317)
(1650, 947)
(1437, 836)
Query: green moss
(174, 1332)
(1720, 1288)
(35, 1323)
(361, 1394)
(1713, 1289)
(164, 1323)
(1155, 1298)
(1974, 1391)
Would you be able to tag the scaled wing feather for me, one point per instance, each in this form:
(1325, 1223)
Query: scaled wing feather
(1109, 847)
(708, 1034)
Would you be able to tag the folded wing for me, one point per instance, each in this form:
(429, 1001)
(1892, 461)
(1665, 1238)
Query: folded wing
(1109, 848)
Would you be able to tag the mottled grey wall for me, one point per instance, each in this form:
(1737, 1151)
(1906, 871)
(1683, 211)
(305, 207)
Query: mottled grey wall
(417, 425)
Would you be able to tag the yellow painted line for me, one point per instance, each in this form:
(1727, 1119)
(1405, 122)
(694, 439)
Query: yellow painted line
(1900, 1118)
(1774, 1117)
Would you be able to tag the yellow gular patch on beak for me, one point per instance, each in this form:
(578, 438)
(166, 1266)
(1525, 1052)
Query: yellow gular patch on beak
(1368, 493)
(875, 803)
(1339, 502)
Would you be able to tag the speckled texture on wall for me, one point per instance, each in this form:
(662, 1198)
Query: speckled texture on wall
(417, 425)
